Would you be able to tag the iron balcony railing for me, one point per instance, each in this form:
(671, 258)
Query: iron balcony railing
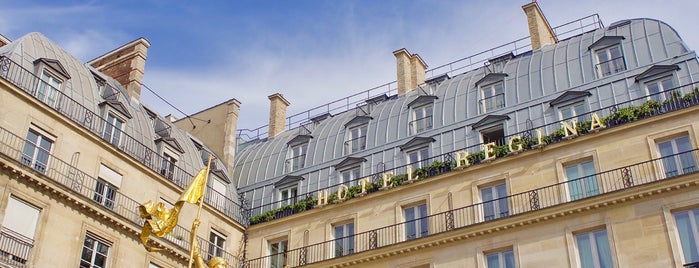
(81, 183)
(537, 199)
(420, 124)
(516, 47)
(615, 115)
(612, 66)
(295, 163)
(73, 110)
(14, 248)
(355, 145)
(492, 103)
(691, 265)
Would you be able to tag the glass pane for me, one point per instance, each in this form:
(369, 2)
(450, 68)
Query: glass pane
(687, 238)
(585, 250)
(493, 260)
(424, 229)
(509, 259)
(603, 252)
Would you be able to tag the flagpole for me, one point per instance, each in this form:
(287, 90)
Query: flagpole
(201, 204)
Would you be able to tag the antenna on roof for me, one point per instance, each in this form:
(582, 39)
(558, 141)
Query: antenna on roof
(168, 103)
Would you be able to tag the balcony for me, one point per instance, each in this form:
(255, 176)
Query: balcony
(492, 103)
(82, 184)
(26, 80)
(420, 124)
(14, 248)
(610, 181)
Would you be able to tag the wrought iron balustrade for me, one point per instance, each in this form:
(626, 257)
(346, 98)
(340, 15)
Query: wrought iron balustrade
(73, 110)
(491, 103)
(295, 163)
(14, 248)
(612, 66)
(355, 145)
(420, 124)
(73, 179)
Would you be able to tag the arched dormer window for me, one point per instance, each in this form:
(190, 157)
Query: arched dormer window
(422, 110)
(608, 55)
(51, 75)
(355, 139)
(658, 82)
(296, 156)
(492, 92)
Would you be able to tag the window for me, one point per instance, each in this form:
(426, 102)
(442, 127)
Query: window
(416, 221)
(217, 245)
(349, 175)
(572, 111)
(688, 229)
(37, 148)
(288, 195)
(501, 259)
(495, 202)
(677, 156)
(422, 119)
(494, 134)
(297, 157)
(277, 252)
(356, 140)
(610, 60)
(113, 129)
(20, 219)
(655, 88)
(593, 249)
(47, 90)
(95, 252)
(167, 167)
(105, 194)
(418, 158)
(581, 180)
(492, 97)
(344, 239)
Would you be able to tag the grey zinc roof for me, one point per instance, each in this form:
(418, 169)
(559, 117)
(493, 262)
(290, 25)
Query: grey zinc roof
(531, 80)
(83, 88)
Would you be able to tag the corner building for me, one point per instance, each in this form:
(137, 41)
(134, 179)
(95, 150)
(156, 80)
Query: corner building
(576, 149)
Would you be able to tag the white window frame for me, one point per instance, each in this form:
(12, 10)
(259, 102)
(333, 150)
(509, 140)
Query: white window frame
(351, 174)
(288, 190)
(217, 243)
(278, 259)
(105, 193)
(168, 163)
(491, 129)
(489, 97)
(422, 118)
(37, 149)
(585, 190)
(678, 160)
(607, 51)
(693, 233)
(496, 191)
(113, 129)
(501, 260)
(575, 109)
(297, 157)
(356, 135)
(344, 243)
(96, 242)
(418, 158)
(419, 221)
(48, 88)
(596, 262)
(660, 84)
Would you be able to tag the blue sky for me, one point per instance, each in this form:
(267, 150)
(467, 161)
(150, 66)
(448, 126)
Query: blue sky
(313, 52)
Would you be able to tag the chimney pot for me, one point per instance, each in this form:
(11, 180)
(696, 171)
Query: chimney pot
(540, 31)
(410, 70)
(277, 114)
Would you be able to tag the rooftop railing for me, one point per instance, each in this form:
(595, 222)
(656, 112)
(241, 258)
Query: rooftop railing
(73, 110)
(612, 116)
(83, 184)
(609, 181)
(516, 47)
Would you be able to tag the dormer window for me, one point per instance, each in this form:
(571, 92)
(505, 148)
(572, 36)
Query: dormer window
(571, 104)
(288, 190)
(168, 164)
(492, 92)
(51, 76)
(297, 157)
(417, 151)
(572, 111)
(113, 129)
(422, 119)
(658, 90)
(658, 82)
(356, 139)
(349, 170)
(170, 151)
(608, 55)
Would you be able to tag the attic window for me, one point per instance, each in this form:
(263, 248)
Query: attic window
(608, 55)
(491, 129)
(492, 92)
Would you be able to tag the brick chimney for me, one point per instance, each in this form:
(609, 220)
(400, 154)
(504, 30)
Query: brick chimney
(126, 65)
(540, 32)
(277, 114)
(4, 41)
(410, 69)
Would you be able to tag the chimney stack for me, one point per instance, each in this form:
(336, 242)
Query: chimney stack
(277, 114)
(126, 65)
(540, 32)
(410, 70)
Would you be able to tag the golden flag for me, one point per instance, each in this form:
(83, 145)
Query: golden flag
(161, 220)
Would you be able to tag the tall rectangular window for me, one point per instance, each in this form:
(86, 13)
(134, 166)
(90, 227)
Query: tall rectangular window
(688, 229)
(492, 97)
(677, 156)
(105, 194)
(655, 88)
(95, 252)
(610, 60)
(297, 157)
(18, 230)
(344, 239)
(167, 167)
(422, 119)
(593, 249)
(581, 180)
(501, 259)
(418, 158)
(356, 139)
(113, 129)
(217, 245)
(36, 151)
(277, 252)
(288, 195)
(47, 90)
(495, 202)
(416, 221)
